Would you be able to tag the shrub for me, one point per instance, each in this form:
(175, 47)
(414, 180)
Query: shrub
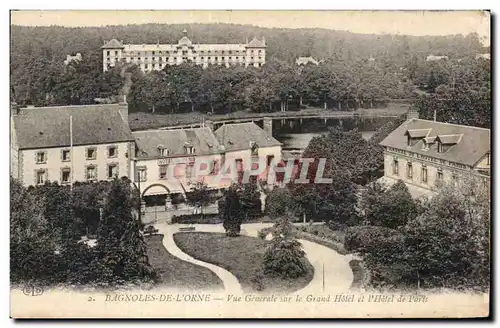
(197, 219)
(262, 234)
(257, 281)
(365, 239)
(284, 255)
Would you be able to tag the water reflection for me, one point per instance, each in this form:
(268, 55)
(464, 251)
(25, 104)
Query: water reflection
(295, 134)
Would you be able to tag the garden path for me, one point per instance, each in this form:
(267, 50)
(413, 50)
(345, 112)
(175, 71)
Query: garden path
(332, 273)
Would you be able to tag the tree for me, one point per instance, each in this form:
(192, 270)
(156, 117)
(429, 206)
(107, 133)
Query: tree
(250, 199)
(232, 215)
(120, 245)
(389, 207)
(33, 243)
(280, 202)
(284, 255)
(448, 244)
(200, 195)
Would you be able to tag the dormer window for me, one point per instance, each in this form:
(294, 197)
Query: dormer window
(162, 151)
(190, 150)
(415, 135)
(445, 142)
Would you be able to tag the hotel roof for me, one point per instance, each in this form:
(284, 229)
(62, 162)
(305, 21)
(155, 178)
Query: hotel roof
(468, 144)
(241, 136)
(46, 127)
(202, 140)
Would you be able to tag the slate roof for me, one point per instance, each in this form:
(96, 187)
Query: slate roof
(242, 136)
(113, 44)
(471, 146)
(202, 139)
(46, 127)
(256, 44)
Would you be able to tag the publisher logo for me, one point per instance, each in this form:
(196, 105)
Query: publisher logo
(32, 290)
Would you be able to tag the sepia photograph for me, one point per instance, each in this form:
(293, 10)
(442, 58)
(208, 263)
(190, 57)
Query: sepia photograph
(250, 164)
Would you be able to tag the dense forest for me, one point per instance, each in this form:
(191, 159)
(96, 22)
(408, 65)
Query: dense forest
(356, 70)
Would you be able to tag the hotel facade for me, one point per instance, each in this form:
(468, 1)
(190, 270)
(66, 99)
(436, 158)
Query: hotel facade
(151, 57)
(424, 154)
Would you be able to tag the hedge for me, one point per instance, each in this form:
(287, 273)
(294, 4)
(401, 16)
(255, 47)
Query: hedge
(197, 219)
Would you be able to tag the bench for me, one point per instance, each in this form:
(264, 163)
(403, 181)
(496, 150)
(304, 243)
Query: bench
(183, 229)
(150, 230)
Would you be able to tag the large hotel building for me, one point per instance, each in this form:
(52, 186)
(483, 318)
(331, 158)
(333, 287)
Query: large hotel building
(151, 57)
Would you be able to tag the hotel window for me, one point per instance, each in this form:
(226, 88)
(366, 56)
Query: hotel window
(154, 66)
(146, 66)
(215, 58)
(41, 157)
(153, 53)
(208, 58)
(91, 153)
(251, 51)
(65, 175)
(395, 166)
(163, 171)
(107, 52)
(91, 172)
(260, 51)
(424, 173)
(112, 151)
(40, 177)
(439, 174)
(189, 170)
(454, 178)
(409, 170)
(141, 173)
(65, 155)
(116, 52)
(112, 171)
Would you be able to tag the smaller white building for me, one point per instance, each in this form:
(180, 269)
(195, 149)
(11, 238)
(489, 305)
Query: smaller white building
(434, 58)
(70, 58)
(306, 60)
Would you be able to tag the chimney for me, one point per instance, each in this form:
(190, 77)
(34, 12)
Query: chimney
(268, 126)
(412, 114)
(123, 107)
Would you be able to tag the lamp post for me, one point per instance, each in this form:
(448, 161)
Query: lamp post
(140, 198)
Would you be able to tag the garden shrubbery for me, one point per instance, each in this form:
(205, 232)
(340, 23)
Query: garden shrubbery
(284, 255)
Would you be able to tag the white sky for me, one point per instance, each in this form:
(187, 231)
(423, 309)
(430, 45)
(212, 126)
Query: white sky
(378, 22)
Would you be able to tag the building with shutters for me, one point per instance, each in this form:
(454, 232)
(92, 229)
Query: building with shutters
(150, 57)
(424, 153)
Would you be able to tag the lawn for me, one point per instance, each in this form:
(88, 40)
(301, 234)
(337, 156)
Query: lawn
(179, 274)
(242, 256)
